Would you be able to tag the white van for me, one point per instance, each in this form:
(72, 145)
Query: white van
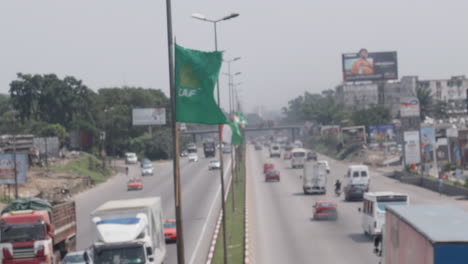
(275, 150)
(373, 210)
(357, 174)
(298, 157)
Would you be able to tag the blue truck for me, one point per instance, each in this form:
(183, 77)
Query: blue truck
(426, 234)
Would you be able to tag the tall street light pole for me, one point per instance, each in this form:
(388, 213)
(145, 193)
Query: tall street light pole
(175, 140)
(230, 81)
(203, 18)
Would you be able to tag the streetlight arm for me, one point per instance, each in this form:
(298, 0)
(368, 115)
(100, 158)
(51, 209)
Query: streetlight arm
(233, 15)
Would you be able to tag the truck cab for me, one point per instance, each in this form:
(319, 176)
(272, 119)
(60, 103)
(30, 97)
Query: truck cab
(124, 252)
(26, 237)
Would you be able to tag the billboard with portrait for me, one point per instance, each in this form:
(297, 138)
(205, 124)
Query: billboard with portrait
(427, 144)
(385, 134)
(369, 66)
(352, 135)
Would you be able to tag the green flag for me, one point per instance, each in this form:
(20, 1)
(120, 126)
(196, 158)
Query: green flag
(196, 73)
(236, 138)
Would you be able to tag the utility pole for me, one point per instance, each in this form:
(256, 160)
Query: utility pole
(14, 166)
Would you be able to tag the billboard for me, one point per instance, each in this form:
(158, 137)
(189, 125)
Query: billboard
(148, 116)
(7, 168)
(412, 153)
(385, 134)
(352, 135)
(325, 131)
(409, 107)
(427, 144)
(369, 66)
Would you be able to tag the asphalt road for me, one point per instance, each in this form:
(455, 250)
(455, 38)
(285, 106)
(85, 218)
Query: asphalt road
(281, 224)
(200, 203)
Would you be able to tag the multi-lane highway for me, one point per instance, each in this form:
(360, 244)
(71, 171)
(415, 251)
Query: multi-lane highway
(200, 202)
(281, 225)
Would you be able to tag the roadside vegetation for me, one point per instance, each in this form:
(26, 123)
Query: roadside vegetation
(235, 217)
(86, 165)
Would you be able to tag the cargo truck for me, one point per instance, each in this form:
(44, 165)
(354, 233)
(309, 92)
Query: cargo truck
(209, 148)
(424, 234)
(129, 231)
(315, 178)
(34, 231)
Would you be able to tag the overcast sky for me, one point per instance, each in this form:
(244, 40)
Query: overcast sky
(287, 47)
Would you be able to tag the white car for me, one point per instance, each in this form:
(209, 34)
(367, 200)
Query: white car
(325, 163)
(78, 257)
(214, 164)
(147, 170)
(192, 157)
(131, 158)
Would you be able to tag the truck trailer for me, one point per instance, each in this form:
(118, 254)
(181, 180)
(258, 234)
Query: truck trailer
(209, 149)
(129, 231)
(425, 234)
(34, 231)
(314, 180)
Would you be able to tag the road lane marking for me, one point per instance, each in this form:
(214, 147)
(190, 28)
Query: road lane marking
(205, 225)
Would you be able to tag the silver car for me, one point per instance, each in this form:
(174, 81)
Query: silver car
(214, 164)
(77, 257)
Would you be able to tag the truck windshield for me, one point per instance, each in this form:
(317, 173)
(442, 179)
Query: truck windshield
(22, 232)
(298, 154)
(128, 255)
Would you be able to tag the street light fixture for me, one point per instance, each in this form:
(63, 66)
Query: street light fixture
(203, 18)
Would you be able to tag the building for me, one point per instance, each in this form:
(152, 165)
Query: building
(360, 95)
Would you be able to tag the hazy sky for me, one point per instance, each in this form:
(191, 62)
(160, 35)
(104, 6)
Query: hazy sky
(287, 47)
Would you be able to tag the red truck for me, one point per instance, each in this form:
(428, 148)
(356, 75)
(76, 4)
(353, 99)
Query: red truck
(32, 231)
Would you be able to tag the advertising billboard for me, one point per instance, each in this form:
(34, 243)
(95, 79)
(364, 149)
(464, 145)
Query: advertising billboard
(149, 116)
(7, 168)
(382, 134)
(427, 144)
(412, 153)
(409, 107)
(326, 131)
(369, 66)
(352, 135)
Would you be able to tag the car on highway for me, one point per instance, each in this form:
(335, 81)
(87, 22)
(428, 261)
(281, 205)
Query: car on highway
(131, 158)
(77, 257)
(184, 153)
(287, 155)
(144, 162)
(325, 209)
(268, 166)
(355, 191)
(170, 230)
(193, 157)
(214, 165)
(258, 147)
(147, 170)
(135, 184)
(272, 175)
(324, 162)
(311, 155)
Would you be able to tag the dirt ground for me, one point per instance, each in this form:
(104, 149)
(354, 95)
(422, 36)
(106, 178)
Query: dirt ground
(49, 184)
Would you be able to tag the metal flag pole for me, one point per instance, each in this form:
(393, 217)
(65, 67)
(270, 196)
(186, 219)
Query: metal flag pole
(175, 141)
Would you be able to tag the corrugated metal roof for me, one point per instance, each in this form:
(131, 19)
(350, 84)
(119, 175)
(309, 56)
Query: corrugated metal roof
(128, 204)
(438, 223)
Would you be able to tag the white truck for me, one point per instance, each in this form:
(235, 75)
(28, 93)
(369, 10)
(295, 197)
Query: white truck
(315, 178)
(275, 150)
(129, 231)
(298, 158)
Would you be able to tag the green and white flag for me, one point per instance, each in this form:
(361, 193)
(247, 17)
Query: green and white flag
(231, 133)
(196, 73)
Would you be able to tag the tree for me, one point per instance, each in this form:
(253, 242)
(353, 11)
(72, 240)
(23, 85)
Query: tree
(440, 109)
(374, 115)
(424, 96)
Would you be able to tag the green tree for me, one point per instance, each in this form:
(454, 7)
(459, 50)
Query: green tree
(374, 115)
(440, 109)
(424, 96)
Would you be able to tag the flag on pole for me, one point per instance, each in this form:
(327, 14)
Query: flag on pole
(230, 133)
(196, 73)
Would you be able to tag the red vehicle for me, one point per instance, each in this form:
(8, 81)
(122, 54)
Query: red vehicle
(37, 236)
(170, 230)
(287, 155)
(135, 184)
(272, 175)
(325, 209)
(268, 166)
